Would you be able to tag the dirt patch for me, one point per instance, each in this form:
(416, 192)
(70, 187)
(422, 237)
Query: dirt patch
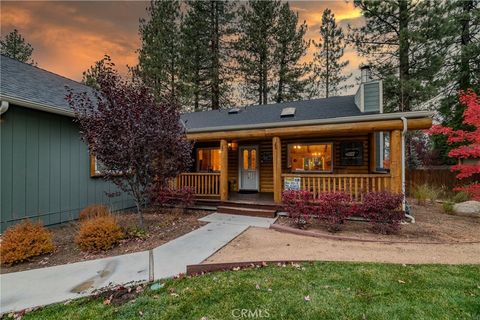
(258, 244)
(431, 225)
(161, 225)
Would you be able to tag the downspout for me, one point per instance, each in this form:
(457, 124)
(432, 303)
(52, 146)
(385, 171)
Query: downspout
(404, 202)
(4, 107)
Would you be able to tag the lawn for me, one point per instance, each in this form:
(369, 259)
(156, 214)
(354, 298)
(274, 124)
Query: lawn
(309, 291)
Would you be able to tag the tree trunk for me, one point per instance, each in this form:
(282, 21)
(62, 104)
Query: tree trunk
(404, 48)
(214, 9)
(465, 39)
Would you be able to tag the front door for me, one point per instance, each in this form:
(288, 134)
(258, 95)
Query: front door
(248, 163)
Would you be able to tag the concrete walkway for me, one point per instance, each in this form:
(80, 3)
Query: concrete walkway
(20, 290)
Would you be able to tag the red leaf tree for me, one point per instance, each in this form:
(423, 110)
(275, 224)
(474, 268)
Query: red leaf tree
(469, 143)
(140, 142)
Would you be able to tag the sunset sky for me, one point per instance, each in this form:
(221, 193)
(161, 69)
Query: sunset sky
(69, 36)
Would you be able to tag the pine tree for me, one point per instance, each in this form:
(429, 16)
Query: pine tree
(328, 67)
(255, 47)
(206, 37)
(405, 45)
(462, 68)
(14, 46)
(90, 76)
(159, 56)
(290, 47)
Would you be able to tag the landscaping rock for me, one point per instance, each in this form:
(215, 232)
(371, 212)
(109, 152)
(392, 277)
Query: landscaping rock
(467, 208)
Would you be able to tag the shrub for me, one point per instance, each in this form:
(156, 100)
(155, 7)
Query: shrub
(448, 207)
(98, 233)
(383, 210)
(426, 192)
(183, 197)
(333, 208)
(25, 240)
(93, 211)
(460, 197)
(298, 205)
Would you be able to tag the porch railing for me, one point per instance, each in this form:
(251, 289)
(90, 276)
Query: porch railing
(353, 184)
(203, 183)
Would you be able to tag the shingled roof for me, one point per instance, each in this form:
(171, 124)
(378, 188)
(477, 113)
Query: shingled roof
(29, 83)
(327, 108)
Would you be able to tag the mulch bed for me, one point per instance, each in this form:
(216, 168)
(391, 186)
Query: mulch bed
(161, 226)
(431, 225)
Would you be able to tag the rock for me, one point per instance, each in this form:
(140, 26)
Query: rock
(467, 208)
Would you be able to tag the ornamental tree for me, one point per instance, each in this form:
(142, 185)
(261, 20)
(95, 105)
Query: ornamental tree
(140, 142)
(467, 143)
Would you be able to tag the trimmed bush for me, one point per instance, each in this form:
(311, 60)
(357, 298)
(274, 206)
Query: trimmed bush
(99, 233)
(333, 208)
(93, 211)
(299, 207)
(383, 210)
(23, 241)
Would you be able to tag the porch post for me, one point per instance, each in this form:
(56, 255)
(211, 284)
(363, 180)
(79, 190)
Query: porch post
(277, 169)
(373, 152)
(396, 161)
(223, 170)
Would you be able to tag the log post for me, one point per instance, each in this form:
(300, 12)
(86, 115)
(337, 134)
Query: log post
(396, 160)
(372, 152)
(277, 169)
(223, 170)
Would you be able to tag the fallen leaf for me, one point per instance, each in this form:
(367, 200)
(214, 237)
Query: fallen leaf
(257, 287)
(306, 298)
(140, 313)
(174, 295)
(269, 290)
(236, 269)
(401, 281)
(107, 301)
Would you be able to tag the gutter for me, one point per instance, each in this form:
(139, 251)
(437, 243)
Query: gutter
(4, 107)
(361, 118)
(36, 105)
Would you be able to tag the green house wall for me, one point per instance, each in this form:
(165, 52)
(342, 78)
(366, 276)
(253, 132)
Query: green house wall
(45, 170)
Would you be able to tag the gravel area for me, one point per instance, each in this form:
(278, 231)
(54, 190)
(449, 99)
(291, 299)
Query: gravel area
(257, 244)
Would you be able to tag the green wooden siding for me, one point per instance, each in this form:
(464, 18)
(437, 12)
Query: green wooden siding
(45, 170)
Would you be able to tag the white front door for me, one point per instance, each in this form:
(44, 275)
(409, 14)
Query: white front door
(248, 171)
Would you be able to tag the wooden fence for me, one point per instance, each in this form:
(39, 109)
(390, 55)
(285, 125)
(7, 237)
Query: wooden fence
(436, 177)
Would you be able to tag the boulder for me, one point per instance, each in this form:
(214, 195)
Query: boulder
(467, 208)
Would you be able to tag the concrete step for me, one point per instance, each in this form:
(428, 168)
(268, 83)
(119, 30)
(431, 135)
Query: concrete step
(247, 211)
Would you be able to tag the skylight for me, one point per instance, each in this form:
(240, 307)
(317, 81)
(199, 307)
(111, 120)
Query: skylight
(233, 111)
(288, 112)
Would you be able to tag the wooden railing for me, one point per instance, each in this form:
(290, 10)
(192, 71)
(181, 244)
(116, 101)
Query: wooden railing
(203, 183)
(353, 184)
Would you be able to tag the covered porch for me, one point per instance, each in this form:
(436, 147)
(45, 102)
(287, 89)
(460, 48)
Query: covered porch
(255, 165)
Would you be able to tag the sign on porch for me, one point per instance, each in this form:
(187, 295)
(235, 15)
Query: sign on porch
(292, 183)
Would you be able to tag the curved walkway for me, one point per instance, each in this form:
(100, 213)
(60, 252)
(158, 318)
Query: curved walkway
(32, 288)
(269, 245)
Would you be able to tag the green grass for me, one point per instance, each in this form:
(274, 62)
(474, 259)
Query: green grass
(336, 290)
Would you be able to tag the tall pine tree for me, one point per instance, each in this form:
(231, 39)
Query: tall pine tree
(328, 68)
(159, 57)
(255, 47)
(14, 46)
(405, 45)
(290, 48)
(462, 68)
(206, 43)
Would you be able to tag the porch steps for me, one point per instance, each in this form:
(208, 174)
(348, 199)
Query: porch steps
(254, 211)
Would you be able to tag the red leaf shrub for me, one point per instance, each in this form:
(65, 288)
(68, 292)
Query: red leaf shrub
(183, 197)
(333, 208)
(383, 210)
(298, 205)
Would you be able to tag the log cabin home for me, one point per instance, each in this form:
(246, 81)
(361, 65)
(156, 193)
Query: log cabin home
(342, 143)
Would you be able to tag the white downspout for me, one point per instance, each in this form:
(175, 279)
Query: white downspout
(404, 202)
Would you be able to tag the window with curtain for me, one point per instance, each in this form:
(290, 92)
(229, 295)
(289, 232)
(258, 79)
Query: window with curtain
(310, 157)
(208, 159)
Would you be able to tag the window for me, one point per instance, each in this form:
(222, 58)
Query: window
(310, 157)
(208, 159)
